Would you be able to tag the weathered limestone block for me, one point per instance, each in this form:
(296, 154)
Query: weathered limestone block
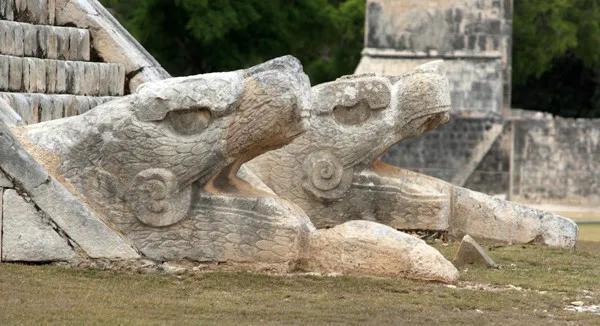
(69, 213)
(32, 11)
(334, 174)
(26, 236)
(471, 253)
(36, 107)
(364, 247)
(58, 77)
(42, 41)
(485, 217)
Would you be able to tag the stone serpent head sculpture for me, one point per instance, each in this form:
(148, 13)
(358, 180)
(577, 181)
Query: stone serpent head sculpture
(143, 159)
(160, 165)
(334, 174)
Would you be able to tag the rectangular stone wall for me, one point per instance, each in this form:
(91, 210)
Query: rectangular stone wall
(557, 161)
(439, 27)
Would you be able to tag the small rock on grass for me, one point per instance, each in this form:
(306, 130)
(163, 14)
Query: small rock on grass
(471, 253)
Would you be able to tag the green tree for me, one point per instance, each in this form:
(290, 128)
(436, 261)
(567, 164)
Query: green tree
(556, 46)
(197, 36)
(557, 56)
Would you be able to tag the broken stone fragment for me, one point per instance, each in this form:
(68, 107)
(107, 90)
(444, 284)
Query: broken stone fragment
(471, 253)
(26, 237)
(369, 248)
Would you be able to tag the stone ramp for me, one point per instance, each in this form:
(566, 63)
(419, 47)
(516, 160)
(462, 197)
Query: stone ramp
(71, 218)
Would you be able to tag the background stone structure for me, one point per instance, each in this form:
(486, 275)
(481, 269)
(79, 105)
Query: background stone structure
(473, 36)
(487, 146)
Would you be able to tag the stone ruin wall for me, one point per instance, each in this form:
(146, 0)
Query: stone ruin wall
(486, 146)
(548, 166)
(472, 36)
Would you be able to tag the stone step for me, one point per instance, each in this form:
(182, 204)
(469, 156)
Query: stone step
(43, 41)
(35, 107)
(30, 11)
(33, 75)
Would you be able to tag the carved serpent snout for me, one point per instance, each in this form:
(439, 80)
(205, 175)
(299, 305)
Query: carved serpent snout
(145, 152)
(357, 118)
(202, 125)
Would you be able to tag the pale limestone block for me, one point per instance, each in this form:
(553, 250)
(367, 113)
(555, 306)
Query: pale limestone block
(4, 74)
(368, 248)
(61, 77)
(51, 77)
(16, 72)
(18, 45)
(26, 236)
(30, 41)
(52, 44)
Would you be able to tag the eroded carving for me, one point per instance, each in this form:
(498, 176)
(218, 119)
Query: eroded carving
(160, 166)
(340, 134)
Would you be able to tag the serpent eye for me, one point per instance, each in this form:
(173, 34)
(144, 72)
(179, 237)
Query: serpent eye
(352, 115)
(189, 122)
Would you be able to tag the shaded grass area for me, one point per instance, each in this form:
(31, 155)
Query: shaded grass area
(550, 279)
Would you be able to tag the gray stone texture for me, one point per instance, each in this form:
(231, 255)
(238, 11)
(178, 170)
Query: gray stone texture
(160, 166)
(557, 160)
(471, 253)
(33, 75)
(26, 236)
(31, 11)
(443, 26)
(475, 83)
(5, 182)
(149, 162)
(67, 211)
(42, 41)
(445, 151)
(36, 107)
(553, 160)
(474, 36)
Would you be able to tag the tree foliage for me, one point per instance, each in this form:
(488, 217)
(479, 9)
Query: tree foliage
(197, 36)
(556, 48)
(557, 56)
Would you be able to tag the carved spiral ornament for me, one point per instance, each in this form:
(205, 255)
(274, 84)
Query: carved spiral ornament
(325, 176)
(154, 198)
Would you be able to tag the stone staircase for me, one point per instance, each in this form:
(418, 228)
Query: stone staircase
(46, 71)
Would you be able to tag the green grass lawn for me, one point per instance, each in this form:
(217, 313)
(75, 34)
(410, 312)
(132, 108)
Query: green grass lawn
(532, 287)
